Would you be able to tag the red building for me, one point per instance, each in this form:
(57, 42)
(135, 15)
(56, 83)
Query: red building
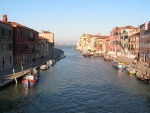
(115, 43)
(25, 43)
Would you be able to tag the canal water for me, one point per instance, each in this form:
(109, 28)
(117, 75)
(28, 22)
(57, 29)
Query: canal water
(77, 84)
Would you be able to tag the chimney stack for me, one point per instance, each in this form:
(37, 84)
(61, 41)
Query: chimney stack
(4, 18)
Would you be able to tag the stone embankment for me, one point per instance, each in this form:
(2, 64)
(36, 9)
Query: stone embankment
(7, 76)
(140, 66)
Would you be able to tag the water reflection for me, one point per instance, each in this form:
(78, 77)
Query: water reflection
(120, 72)
(27, 91)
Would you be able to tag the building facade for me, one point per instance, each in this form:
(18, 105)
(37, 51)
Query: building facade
(115, 41)
(50, 36)
(26, 43)
(44, 47)
(6, 44)
(93, 43)
(144, 41)
(133, 45)
(125, 32)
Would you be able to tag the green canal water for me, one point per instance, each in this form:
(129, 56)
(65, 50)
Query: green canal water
(77, 84)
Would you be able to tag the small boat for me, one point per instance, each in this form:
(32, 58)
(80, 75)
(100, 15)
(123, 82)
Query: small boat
(131, 70)
(86, 54)
(30, 78)
(107, 58)
(115, 64)
(121, 66)
(44, 67)
(50, 62)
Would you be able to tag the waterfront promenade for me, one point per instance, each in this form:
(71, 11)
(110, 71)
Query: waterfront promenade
(141, 66)
(7, 76)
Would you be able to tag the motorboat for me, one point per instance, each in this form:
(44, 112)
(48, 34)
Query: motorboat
(30, 78)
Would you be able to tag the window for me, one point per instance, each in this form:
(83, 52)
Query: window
(2, 31)
(116, 33)
(126, 37)
(18, 33)
(9, 33)
(22, 33)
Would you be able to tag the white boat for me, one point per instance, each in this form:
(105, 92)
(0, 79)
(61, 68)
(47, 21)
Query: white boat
(44, 67)
(121, 66)
(50, 62)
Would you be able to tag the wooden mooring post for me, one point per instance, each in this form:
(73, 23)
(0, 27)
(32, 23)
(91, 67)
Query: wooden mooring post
(15, 76)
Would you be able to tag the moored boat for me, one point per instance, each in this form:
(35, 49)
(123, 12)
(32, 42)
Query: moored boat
(44, 67)
(50, 62)
(86, 54)
(115, 64)
(131, 70)
(107, 58)
(121, 66)
(30, 78)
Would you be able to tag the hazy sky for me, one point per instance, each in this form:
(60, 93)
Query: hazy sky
(68, 19)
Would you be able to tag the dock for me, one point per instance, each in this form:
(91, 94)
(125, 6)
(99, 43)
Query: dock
(7, 76)
(142, 69)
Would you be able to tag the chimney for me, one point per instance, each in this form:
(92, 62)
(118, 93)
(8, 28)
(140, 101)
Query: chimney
(4, 18)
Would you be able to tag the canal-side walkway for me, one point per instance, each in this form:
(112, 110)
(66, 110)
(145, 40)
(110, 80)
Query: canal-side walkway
(7, 76)
(141, 66)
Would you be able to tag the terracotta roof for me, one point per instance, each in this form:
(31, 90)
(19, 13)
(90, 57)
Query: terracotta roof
(17, 24)
(125, 27)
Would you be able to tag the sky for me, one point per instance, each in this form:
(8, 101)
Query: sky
(69, 19)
